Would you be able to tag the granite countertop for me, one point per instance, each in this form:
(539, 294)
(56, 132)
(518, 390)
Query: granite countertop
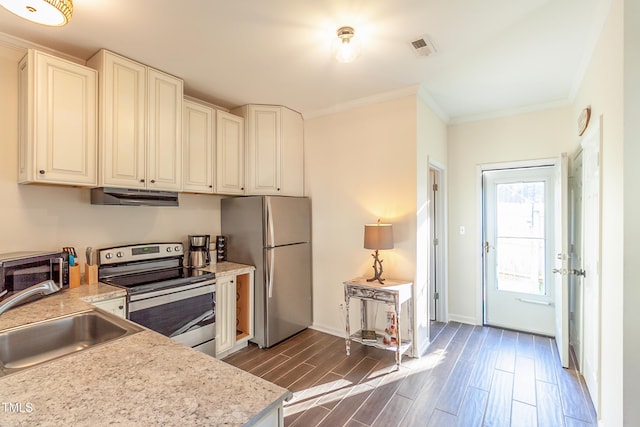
(227, 268)
(144, 378)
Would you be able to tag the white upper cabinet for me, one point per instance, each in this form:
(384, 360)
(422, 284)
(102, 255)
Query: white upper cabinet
(140, 125)
(229, 153)
(292, 154)
(198, 147)
(164, 147)
(275, 150)
(57, 121)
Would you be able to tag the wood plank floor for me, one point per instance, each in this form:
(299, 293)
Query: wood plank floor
(470, 376)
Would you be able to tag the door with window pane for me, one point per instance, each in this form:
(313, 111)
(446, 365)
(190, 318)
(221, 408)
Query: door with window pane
(518, 248)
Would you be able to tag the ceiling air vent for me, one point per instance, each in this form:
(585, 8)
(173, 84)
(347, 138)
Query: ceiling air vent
(423, 46)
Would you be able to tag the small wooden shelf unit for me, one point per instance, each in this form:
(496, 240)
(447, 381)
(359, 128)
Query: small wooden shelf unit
(393, 292)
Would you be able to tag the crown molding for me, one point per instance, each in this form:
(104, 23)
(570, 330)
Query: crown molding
(22, 45)
(560, 103)
(418, 90)
(361, 102)
(426, 97)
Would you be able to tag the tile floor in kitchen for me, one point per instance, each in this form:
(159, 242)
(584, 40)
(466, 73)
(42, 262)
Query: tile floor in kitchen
(470, 376)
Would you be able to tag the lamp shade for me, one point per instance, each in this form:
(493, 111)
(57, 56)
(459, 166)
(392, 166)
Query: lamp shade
(378, 236)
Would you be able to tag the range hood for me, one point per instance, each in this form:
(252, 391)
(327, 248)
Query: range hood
(132, 197)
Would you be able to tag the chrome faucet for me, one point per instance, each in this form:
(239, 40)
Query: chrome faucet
(45, 288)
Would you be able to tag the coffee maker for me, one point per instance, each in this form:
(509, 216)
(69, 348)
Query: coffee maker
(199, 251)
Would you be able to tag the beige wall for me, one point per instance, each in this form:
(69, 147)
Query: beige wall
(631, 329)
(538, 135)
(47, 217)
(360, 165)
(602, 88)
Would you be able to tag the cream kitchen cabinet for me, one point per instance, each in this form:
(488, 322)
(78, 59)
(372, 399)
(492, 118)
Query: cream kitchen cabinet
(198, 139)
(275, 150)
(140, 144)
(234, 312)
(57, 121)
(230, 155)
(117, 306)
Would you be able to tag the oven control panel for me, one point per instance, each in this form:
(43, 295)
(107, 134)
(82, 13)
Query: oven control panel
(140, 252)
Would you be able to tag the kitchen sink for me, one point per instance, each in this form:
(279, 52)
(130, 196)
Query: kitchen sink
(26, 346)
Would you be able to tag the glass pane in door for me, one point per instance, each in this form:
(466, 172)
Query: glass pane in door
(520, 242)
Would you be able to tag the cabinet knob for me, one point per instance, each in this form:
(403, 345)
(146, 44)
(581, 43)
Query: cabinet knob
(278, 189)
(153, 181)
(120, 307)
(142, 180)
(242, 188)
(41, 171)
(211, 186)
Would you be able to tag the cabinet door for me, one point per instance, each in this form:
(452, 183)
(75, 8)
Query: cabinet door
(229, 153)
(198, 147)
(264, 147)
(225, 314)
(164, 144)
(123, 118)
(64, 105)
(292, 156)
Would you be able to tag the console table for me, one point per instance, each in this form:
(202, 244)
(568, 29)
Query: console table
(395, 292)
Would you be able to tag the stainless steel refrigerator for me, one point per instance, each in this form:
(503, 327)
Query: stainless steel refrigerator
(274, 234)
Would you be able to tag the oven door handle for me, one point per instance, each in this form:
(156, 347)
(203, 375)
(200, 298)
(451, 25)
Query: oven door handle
(206, 315)
(172, 297)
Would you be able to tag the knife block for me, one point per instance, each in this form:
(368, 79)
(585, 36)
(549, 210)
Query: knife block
(90, 274)
(74, 276)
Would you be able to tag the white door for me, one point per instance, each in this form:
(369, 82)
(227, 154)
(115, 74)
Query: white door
(591, 283)
(575, 257)
(562, 259)
(519, 249)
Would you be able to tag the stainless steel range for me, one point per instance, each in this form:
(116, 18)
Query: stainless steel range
(162, 295)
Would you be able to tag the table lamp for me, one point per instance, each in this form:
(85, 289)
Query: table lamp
(378, 236)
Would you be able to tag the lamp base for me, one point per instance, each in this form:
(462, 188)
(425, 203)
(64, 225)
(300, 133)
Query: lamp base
(377, 269)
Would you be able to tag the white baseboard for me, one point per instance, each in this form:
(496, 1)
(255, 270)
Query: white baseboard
(328, 330)
(463, 319)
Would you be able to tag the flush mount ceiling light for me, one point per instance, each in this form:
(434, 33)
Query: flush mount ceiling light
(55, 13)
(346, 48)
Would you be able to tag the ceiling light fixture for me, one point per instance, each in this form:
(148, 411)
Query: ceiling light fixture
(346, 48)
(55, 13)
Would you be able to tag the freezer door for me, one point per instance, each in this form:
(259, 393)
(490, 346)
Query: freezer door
(288, 220)
(287, 292)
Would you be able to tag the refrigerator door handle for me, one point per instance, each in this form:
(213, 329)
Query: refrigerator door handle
(270, 237)
(271, 255)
